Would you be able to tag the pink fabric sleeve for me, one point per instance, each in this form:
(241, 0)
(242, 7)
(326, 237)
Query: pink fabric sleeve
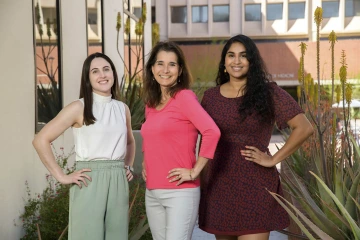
(192, 110)
(143, 143)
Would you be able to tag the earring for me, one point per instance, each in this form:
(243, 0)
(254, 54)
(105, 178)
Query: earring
(179, 79)
(153, 79)
(225, 70)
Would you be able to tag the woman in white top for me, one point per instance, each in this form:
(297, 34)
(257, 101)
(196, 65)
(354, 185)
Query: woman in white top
(105, 150)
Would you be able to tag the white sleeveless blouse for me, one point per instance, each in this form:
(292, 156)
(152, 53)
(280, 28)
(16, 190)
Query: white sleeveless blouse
(106, 139)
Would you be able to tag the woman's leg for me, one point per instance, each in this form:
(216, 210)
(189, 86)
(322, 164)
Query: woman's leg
(155, 212)
(117, 207)
(223, 237)
(257, 236)
(182, 207)
(87, 210)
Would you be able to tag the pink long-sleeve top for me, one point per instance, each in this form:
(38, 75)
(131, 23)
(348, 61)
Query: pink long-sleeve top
(169, 139)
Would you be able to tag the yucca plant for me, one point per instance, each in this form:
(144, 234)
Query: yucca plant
(324, 174)
(131, 86)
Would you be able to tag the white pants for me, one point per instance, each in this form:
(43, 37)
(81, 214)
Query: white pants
(172, 213)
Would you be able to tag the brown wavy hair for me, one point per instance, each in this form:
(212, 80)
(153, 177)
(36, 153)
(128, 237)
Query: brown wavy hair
(152, 91)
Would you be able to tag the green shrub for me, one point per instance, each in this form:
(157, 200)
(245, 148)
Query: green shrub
(50, 209)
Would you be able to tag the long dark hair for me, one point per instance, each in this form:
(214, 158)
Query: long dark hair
(258, 95)
(86, 89)
(152, 91)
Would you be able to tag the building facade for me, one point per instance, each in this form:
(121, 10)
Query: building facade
(277, 26)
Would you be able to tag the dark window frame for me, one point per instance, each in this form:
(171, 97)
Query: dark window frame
(175, 20)
(252, 19)
(293, 4)
(200, 10)
(223, 5)
(325, 13)
(274, 18)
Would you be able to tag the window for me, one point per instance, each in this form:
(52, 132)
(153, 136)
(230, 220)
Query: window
(274, 11)
(330, 9)
(153, 15)
(352, 8)
(47, 63)
(49, 13)
(296, 10)
(221, 13)
(137, 12)
(92, 16)
(199, 14)
(178, 15)
(253, 12)
(95, 32)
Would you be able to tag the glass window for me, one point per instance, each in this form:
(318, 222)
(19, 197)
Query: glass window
(47, 64)
(296, 10)
(137, 12)
(253, 12)
(92, 16)
(153, 15)
(94, 33)
(178, 15)
(274, 11)
(221, 13)
(352, 8)
(330, 9)
(199, 14)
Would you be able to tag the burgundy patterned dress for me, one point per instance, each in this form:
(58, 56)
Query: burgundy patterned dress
(234, 198)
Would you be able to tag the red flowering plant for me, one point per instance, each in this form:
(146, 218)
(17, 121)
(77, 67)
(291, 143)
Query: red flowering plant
(46, 214)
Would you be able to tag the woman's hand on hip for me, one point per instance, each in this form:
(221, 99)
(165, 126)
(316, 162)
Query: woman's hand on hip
(76, 178)
(143, 173)
(180, 174)
(129, 175)
(253, 154)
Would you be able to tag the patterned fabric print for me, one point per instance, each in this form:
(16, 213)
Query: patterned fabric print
(234, 198)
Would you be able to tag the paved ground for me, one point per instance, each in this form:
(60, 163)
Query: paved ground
(198, 234)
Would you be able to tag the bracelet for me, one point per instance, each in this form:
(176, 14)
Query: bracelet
(192, 179)
(131, 169)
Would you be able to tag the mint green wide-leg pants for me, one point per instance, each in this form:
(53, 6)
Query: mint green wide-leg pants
(100, 210)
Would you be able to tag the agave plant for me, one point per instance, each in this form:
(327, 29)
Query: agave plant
(323, 176)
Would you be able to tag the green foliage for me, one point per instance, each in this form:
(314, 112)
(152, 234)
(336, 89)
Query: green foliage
(131, 85)
(132, 96)
(323, 176)
(49, 104)
(50, 209)
(155, 31)
(138, 227)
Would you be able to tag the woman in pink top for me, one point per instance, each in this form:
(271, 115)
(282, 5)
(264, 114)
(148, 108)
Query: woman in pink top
(173, 119)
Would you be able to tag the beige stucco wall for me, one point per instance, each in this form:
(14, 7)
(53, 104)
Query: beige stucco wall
(17, 106)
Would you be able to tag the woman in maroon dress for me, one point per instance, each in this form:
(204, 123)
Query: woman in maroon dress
(245, 104)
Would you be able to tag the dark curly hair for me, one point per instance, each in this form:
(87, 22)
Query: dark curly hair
(152, 91)
(258, 94)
